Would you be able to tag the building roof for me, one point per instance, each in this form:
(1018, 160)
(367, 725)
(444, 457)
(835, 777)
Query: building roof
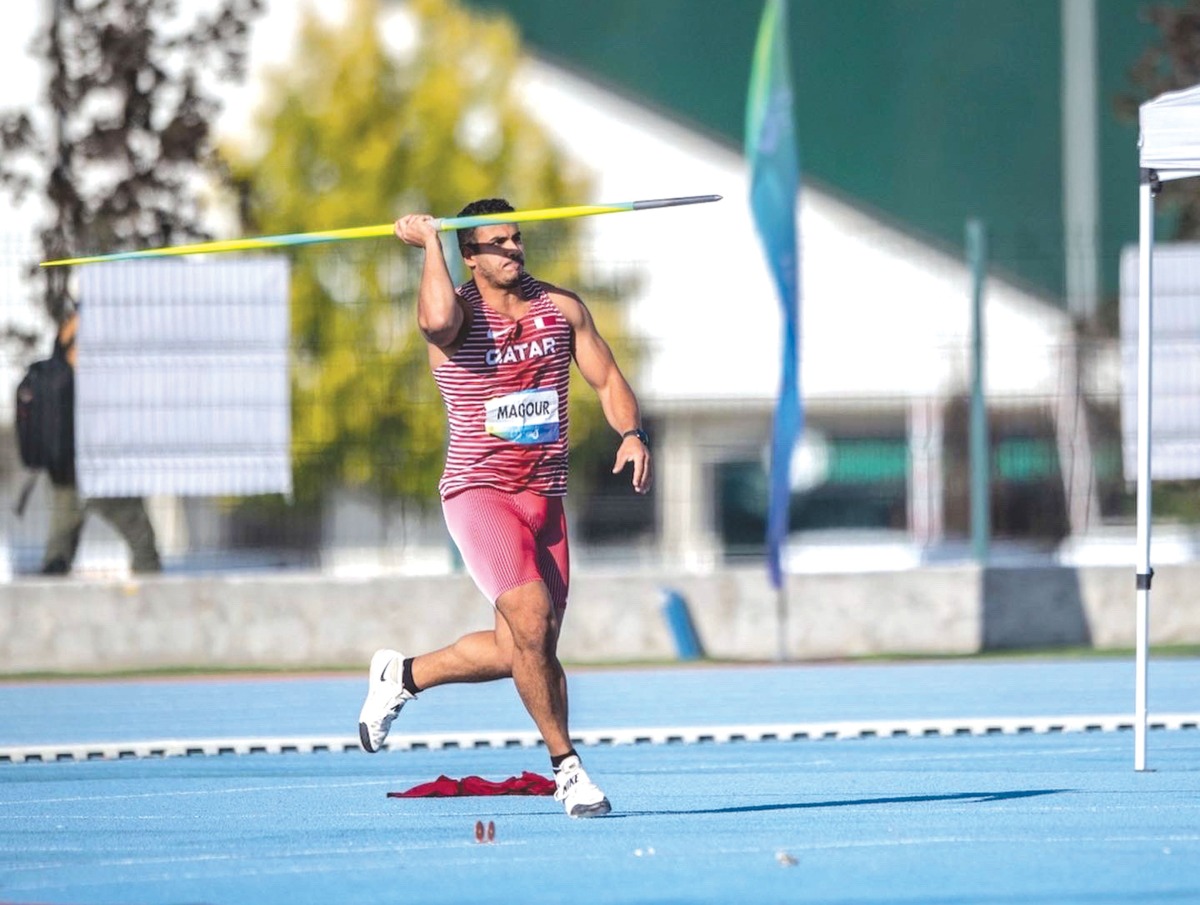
(925, 114)
(884, 315)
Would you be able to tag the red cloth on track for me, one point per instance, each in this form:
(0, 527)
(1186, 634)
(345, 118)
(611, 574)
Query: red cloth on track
(445, 787)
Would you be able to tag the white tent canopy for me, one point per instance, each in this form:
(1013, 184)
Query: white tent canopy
(1169, 148)
(1170, 141)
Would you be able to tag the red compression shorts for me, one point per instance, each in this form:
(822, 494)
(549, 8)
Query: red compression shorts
(510, 539)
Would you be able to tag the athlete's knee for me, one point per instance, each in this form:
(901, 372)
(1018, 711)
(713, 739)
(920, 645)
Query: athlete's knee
(534, 632)
(531, 618)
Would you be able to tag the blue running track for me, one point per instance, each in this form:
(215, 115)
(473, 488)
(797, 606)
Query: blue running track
(964, 814)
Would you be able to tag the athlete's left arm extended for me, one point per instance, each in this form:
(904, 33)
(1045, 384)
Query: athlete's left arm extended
(599, 368)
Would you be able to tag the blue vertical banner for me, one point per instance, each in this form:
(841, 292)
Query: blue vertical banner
(774, 184)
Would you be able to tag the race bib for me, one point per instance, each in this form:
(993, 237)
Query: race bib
(528, 417)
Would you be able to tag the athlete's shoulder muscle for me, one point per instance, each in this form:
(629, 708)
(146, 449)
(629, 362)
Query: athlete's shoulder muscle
(570, 304)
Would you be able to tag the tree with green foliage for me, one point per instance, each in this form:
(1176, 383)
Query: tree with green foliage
(409, 109)
(125, 129)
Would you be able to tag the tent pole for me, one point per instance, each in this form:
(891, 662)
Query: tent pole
(979, 444)
(1149, 187)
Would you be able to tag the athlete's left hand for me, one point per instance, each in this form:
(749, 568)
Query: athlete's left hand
(633, 450)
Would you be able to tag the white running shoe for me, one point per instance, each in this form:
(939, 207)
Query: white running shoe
(580, 796)
(385, 696)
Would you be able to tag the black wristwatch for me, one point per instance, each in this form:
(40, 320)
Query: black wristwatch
(640, 434)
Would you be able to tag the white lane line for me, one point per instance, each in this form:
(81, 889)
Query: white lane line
(655, 735)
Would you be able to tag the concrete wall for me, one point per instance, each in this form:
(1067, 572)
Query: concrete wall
(309, 620)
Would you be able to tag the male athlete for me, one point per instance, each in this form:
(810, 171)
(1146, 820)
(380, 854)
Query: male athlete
(500, 347)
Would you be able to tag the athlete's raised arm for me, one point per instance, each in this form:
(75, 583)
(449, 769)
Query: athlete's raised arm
(440, 311)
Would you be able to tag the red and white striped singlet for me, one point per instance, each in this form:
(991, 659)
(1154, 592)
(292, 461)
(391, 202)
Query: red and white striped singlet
(505, 392)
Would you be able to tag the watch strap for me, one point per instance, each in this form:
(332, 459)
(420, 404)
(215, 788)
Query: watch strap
(640, 434)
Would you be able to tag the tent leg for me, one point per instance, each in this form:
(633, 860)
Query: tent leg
(1148, 189)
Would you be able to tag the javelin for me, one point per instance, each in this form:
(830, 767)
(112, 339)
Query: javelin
(444, 224)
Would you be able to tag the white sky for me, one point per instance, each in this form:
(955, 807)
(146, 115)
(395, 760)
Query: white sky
(18, 71)
(20, 76)
(19, 82)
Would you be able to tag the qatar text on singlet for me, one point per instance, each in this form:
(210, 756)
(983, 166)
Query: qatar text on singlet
(505, 392)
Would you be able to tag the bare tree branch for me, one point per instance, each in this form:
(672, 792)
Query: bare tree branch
(125, 126)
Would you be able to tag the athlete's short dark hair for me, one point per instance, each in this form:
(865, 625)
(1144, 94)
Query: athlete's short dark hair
(466, 237)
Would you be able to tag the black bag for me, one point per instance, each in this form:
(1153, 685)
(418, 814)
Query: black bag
(46, 417)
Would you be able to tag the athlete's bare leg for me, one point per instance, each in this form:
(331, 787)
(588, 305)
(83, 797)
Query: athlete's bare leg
(477, 657)
(489, 655)
(524, 645)
(534, 624)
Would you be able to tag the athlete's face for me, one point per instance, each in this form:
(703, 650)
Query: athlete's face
(497, 255)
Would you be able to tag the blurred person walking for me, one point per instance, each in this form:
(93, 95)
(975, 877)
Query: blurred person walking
(68, 510)
(500, 348)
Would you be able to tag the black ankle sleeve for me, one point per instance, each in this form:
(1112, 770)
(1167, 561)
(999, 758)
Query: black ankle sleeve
(406, 678)
(556, 762)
